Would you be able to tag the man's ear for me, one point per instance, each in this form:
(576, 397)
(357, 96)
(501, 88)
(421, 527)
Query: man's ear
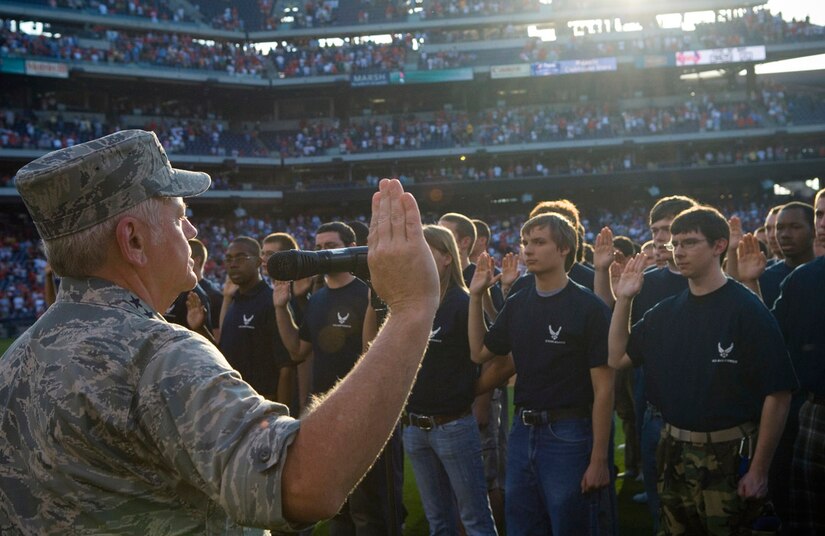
(132, 237)
(720, 246)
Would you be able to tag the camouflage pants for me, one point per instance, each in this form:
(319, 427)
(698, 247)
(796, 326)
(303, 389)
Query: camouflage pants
(697, 487)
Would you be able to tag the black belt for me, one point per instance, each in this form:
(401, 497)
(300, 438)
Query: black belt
(428, 422)
(537, 417)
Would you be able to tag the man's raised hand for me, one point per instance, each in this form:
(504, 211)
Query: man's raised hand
(603, 250)
(401, 264)
(484, 277)
(752, 261)
(632, 278)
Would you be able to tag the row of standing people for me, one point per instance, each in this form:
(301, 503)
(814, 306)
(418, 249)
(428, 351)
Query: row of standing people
(448, 381)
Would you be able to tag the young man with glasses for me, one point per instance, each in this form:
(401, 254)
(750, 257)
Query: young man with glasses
(716, 367)
(249, 331)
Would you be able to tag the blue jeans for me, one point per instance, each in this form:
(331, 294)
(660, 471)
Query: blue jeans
(545, 466)
(446, 461)
(652, 425)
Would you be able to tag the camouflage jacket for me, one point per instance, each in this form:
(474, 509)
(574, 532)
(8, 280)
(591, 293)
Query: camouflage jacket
(114, 421)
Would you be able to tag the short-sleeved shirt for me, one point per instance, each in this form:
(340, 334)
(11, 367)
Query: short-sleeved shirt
(800, 311)
(770, 280)
(333, 323)
(710, 360)
(176, 313)
(250, 339)
(659, 283)
(579, 273)
(114, 421)
(555, 341)
(446, 381)
(215, 300)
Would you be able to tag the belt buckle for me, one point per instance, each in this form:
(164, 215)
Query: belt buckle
(529, 417)
(424, 422)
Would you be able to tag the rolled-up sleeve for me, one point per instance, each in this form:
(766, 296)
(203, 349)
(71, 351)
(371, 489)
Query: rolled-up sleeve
(213, 431)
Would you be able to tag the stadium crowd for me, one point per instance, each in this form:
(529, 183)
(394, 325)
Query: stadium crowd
(308, 58)
(403, 132)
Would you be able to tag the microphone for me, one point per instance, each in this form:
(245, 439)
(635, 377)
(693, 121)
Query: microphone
(296, 264)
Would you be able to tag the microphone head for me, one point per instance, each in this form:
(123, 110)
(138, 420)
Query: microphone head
(292, 264)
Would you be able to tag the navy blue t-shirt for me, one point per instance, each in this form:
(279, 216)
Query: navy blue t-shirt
(709, 361)
(177, 312)
(333, 323)
(770, 280)
(578, 273)
(800, 311)
(215, 299)
(659, 284)
(250, 339)
(555, 341)
(446, 382)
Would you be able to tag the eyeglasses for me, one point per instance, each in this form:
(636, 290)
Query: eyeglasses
(240, 257)
(687, 243)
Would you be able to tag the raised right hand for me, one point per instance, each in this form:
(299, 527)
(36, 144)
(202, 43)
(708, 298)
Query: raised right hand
(603, 250)
(397, 250)
(735, 232)
(229, 289)
(509, 270)
(280, 293)
(752, 261)
(632, 278)
(483, 277)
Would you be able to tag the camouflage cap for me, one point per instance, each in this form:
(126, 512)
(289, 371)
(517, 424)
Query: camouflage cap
(72, 189)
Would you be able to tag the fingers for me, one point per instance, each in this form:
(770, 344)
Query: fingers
(412, 216)
(635, 265)
(605, 237)
(398, 220)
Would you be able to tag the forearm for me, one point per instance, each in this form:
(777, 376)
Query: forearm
(288, 332)
(619, 333)
(224, 308)
(732, 263)
(489, 308)
(603, 287)
(602, 413)
(476, 328)
(494, 373)
(360, 412)
(771, 425)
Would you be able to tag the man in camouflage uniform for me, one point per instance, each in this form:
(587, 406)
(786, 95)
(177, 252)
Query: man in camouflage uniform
(715, 365)
(114, 421)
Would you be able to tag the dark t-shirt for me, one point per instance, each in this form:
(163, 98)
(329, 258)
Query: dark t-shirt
(215, 300)
(579, 273)
(250, 340)
(446, 382)
(800, 312)
(659, 284)
(709, 361)
(333, 323)
(555, 341)
(176, 313)
(770, 280)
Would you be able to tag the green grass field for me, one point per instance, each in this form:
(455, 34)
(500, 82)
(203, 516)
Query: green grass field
(633, 518)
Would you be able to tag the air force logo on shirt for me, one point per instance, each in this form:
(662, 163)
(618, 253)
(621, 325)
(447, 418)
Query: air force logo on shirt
(724, 354)
(433, 333)
(554, 335)
(342, 321)
(247, 322)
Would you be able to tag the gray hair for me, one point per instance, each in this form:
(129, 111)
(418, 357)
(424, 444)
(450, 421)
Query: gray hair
(81, 254)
